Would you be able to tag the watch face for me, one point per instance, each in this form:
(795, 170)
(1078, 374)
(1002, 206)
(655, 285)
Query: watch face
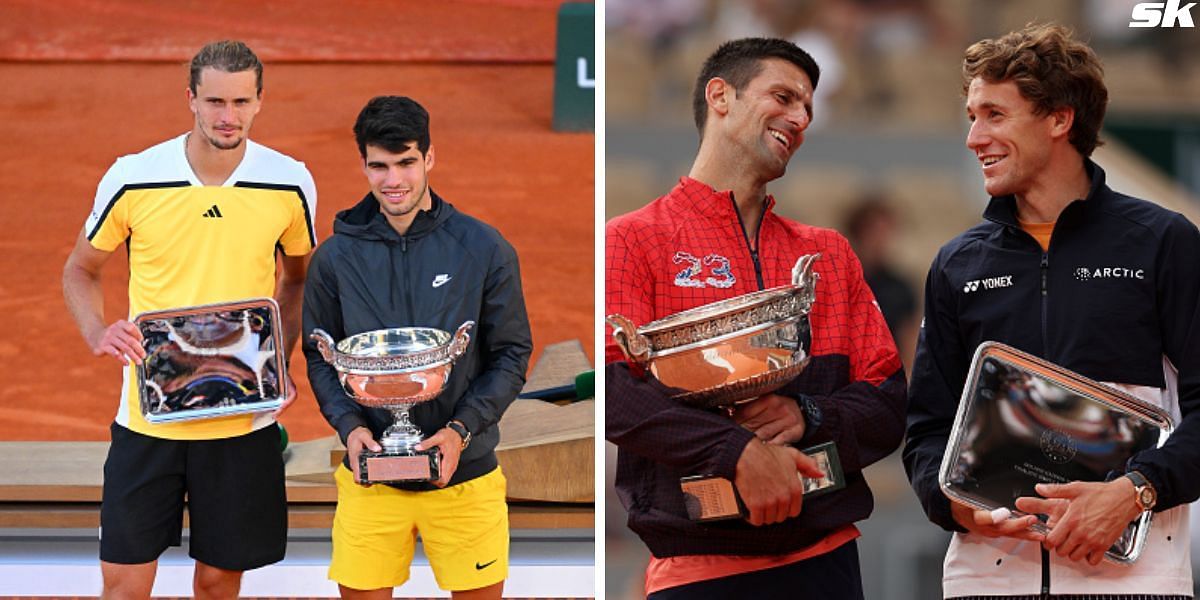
(1146, 498)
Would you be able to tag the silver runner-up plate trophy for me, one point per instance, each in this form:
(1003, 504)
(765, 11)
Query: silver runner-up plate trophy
(1023, 421)
(725, 353)
(210, 361)
(396, 369)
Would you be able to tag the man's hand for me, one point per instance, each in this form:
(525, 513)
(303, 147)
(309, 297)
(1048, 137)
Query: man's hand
(121, 340)
(981, 522)
(768, 483)
(359, 439)
(1086, 518)
(290, 388)
(773, 418)
(450, 444)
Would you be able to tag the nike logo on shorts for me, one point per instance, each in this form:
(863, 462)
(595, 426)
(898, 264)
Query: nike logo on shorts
(479, 567)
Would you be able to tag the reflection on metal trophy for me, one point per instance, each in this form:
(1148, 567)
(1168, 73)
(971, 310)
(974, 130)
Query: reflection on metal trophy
(1023, 421)
(395, 369)
(725, 353)
(211, 361)
(731, 351)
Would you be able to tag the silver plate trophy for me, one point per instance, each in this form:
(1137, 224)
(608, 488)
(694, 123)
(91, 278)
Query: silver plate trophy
(211, 361)
(1024, 421)
(731, 351)
(724, 353)
(395, 369)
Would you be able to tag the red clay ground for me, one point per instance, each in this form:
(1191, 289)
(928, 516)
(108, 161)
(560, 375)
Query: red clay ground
(65, 122)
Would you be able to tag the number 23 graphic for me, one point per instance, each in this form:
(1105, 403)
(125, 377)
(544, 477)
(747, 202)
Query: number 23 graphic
(722, 275)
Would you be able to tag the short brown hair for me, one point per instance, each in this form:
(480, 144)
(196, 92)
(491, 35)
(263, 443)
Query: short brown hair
(1052, 70)
(230, 56)
(740, 61)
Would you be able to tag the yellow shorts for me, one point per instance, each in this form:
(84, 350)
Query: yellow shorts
(464, 529)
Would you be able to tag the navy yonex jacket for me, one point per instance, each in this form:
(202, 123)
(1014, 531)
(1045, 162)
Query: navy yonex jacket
(1115, 295)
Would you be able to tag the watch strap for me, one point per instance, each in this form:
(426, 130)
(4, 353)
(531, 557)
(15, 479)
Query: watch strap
(1141, 486)
(1137, 478)
(457, 427)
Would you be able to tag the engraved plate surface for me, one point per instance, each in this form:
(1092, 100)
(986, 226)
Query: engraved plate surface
(711, 498)
(1024, 421)
(211, 361)
(827, 460)
(384, 467)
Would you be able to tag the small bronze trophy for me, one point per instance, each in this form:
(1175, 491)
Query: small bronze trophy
(395, 369)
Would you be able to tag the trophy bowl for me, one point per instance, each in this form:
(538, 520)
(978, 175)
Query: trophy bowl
(395, 369)
(726, 352)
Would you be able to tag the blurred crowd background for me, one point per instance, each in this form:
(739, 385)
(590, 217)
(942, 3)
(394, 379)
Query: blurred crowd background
(885, 163)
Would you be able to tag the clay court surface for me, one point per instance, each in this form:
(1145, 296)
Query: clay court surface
(82, 82)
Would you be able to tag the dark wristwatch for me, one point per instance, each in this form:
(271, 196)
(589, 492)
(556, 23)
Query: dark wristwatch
(1145, 494)
(811, 412)
(457, 427)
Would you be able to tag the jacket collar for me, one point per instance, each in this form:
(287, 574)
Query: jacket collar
(364, 220)
(1003, 209)
(709, 202)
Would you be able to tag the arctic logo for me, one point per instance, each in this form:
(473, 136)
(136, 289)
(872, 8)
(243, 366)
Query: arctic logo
(440, 280)
(1162, 14)
(1088, 273)
(990, 283)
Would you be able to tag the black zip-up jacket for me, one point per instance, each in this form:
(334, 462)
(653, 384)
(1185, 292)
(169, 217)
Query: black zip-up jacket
(447, 269)
(1115, 293)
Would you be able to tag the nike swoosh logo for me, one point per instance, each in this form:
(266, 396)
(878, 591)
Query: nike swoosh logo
(440, 280)
(479, 567)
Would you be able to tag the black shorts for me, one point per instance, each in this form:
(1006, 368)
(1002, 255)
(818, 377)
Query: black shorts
(834, 575)
(235, 497)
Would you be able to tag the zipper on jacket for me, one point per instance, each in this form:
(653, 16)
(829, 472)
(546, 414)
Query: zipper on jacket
(1045, 573)
(1045, 269)
(392, 273)
(408, 303)
(758, 277)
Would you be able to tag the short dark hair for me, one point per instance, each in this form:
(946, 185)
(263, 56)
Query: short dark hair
(230, 56)
(1052, 70)
(739, 61)
(392, 123)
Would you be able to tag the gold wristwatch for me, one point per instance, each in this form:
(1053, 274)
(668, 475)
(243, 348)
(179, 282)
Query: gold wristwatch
(1145, 495)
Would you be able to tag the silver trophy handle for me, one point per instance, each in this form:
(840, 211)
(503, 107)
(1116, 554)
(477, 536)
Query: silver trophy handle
(461, 340)
(325, 344)
(635, 345)
(802, 272)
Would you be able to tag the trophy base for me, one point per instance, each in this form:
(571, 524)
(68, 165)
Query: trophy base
(399, 466)
(711, 498)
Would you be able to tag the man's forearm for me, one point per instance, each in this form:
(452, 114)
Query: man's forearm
(640, 418)
(84, 297)
(865, 419)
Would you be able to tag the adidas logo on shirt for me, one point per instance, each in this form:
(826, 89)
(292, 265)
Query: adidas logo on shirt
(213, 212)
